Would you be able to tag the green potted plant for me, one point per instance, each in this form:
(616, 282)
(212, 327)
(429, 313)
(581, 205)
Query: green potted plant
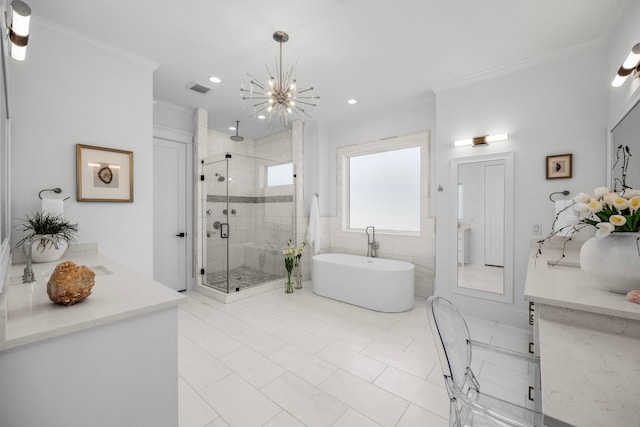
(47, 224)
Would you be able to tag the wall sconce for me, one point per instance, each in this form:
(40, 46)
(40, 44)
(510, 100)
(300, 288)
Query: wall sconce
(481, 140)
(19, 29)
(631, 64)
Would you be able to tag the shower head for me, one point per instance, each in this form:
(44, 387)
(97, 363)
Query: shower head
(220, 177)
(236, 137)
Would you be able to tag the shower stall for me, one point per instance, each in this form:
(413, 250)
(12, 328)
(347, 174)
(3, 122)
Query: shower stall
(248, 217)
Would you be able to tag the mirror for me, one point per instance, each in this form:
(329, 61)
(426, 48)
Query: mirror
(625, 132)
(483, 229)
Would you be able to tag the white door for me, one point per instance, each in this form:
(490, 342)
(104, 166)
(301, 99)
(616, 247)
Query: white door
(494, 214)
(170, 214)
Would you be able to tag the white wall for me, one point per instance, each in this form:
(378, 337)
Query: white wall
(70, 91)
(553, 108)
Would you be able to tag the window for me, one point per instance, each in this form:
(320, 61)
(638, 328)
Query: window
(384, 190)
(280, 175)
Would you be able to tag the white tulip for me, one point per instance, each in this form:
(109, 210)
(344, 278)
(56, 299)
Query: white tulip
(620, 203)
(609, 198)
(581, 207)
(595, 206)
(617, 220)
(604, 229)
(629, 193)
(600, 192)
(582, 198)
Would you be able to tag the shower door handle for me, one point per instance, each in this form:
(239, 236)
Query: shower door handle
(224, 230)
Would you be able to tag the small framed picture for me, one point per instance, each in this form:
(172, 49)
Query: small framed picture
(559, 166)
(103, 174)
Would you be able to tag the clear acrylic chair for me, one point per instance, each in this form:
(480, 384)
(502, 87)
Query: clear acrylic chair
(468, 405)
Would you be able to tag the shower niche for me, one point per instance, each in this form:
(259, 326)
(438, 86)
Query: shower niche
(248, 216)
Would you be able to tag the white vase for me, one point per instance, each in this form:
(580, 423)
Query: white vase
(46, 253)
(613, 260)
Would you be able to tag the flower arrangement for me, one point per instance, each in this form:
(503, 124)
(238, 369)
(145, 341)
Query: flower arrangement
(609, 211)
(292, 257)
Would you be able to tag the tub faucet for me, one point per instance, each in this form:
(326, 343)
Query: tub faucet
(372, 245)
(28, 275)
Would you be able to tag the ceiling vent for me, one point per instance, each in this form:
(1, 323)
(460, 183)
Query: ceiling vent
(199, 87)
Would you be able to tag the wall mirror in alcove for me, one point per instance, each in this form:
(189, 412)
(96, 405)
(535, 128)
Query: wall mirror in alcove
(626, 132)
(482, 230)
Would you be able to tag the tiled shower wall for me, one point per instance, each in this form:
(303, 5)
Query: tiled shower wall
(263, 221)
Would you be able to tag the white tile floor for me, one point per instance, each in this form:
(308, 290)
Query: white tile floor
(299, 359)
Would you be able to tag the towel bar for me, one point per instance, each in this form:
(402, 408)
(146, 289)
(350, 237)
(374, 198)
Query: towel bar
(565, 193)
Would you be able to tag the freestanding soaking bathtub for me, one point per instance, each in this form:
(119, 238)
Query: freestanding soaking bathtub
(375, 283)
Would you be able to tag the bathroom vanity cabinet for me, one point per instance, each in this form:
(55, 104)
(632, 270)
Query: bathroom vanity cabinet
(588, 340)
(110, 360)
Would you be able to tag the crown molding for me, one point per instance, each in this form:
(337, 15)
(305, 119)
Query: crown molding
(95, 43)
(173, 106)
(517, 66)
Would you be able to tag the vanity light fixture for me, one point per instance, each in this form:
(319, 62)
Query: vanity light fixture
(19, 29)
(631, 65)
(481, 140)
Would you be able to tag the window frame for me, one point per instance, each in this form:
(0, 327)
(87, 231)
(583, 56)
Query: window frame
(420, 140)
(266, 174)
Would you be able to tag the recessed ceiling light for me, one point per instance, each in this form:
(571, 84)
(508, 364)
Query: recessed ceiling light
(214, 79)
(352, 101)
(232, 128)
(262, 117)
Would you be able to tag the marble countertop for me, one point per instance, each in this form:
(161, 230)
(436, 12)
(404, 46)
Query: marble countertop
(27, 315)
(589, 343)
(590, 373)
(566, 285)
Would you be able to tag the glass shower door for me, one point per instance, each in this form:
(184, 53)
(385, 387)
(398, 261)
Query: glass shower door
(248, 216)
(216, 219)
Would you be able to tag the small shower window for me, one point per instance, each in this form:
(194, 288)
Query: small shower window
(280, 175)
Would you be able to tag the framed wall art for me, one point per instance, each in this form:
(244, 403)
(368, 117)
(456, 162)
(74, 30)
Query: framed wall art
(559, 166)
(103, 174)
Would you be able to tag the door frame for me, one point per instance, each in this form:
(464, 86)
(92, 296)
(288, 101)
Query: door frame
(184, 137)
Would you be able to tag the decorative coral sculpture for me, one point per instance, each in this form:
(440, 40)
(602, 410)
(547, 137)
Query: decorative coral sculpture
(70, 283)
(634, 296)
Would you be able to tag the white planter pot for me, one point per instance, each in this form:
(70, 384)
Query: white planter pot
(613, 260)
(46, 253)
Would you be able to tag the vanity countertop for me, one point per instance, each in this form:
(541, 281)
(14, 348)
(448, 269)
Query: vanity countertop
(565, 285)
(588, 341)
(27, 315)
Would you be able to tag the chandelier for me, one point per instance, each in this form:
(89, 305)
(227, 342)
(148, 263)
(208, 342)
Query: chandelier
(280, 96)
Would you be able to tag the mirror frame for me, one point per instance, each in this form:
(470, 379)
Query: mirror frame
(507, 295)
(5, 160)
(632, 103)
